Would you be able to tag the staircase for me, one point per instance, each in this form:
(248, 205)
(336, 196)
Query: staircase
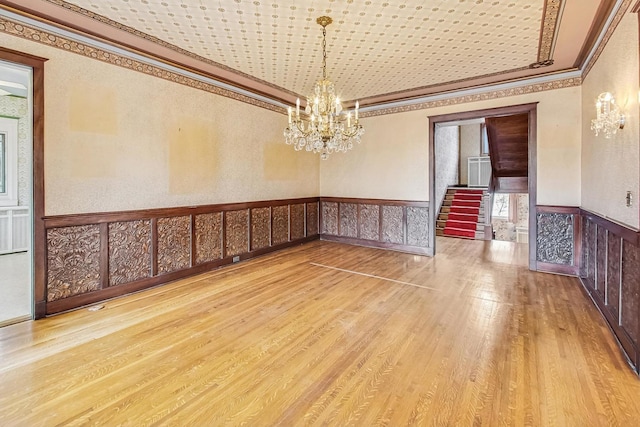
(462, 214)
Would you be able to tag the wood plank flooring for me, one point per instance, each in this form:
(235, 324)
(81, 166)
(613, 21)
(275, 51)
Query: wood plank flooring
(329, 334)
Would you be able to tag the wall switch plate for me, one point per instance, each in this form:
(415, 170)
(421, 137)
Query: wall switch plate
(629, 199)
(236, 258)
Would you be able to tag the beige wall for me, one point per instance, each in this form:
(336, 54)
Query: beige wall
(117, 139)
(392, 160)
(610, 166)
(469, 147)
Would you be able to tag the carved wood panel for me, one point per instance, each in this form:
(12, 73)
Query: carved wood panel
(129, 251)
(174, 243)
(613, 274)
(280, 225)
(330, 218)
(601, 266)
(297, 221)
(631, 290)
(237, 232)
(555, 238)
(591, 248)
(369, 222)
(260, 228)
(73, 261)
(392, 224)
(312, 219)
(348, 219)
(208, 234)
(418, 226)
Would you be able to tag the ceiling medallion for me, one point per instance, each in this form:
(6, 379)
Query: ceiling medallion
(328, 129)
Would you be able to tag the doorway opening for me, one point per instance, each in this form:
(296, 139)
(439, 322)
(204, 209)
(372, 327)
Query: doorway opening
(16, 193)
(478, 197)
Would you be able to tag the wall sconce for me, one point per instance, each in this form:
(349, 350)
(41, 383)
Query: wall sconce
(608, 117)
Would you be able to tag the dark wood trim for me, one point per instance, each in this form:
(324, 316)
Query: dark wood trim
(101, 217)
(532, 176)
(376, 244)
(627, 233)
(569, 270)
(598, 292)
(104, 256)
(619, 334)
(636, 7)
(78, 301)
(339, 217)
(602, 14)
(39, 253)
(531, 110)
(194, 248)
(558, 209)
(154, 247)
(411, 203)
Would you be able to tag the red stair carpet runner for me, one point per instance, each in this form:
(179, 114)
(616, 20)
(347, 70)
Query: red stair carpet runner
(463, 216)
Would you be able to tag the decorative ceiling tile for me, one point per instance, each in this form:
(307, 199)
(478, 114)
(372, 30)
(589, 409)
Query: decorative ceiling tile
(397, 45)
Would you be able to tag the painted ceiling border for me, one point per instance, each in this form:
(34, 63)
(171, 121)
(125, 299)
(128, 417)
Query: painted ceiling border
(35, 30)
(609, 27)
(128, 29)
(549, 32)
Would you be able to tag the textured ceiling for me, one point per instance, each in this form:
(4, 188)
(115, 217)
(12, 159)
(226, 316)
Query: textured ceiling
(375, 47)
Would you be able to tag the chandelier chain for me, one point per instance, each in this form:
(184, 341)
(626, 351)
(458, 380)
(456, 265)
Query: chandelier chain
(324, 52)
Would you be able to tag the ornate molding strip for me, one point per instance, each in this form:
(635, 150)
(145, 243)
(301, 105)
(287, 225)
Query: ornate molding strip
(475, 97)
(548, 32)
(104, 20)
(40, 36)
(603, 43)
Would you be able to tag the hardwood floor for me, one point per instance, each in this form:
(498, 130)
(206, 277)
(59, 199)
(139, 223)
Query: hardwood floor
(328, 334)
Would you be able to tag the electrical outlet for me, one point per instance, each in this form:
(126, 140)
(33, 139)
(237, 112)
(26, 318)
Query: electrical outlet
(236, 258)
(629, 199)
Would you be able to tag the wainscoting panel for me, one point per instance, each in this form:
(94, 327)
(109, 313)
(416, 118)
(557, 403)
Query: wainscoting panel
(260, 228)
(208, 237)
(93, 257)
(73, 261)
(369, 222)
(611, 275)
(558, 241)
(129, 251)
(174, 244)
(280, 224)
(312, 219)
(349, 220)
(297, 221)
(389, 224)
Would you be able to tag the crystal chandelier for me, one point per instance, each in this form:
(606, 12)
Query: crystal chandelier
(327, 130)
(608, 117)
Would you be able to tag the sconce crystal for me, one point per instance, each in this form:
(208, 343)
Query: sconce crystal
(608, 117)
